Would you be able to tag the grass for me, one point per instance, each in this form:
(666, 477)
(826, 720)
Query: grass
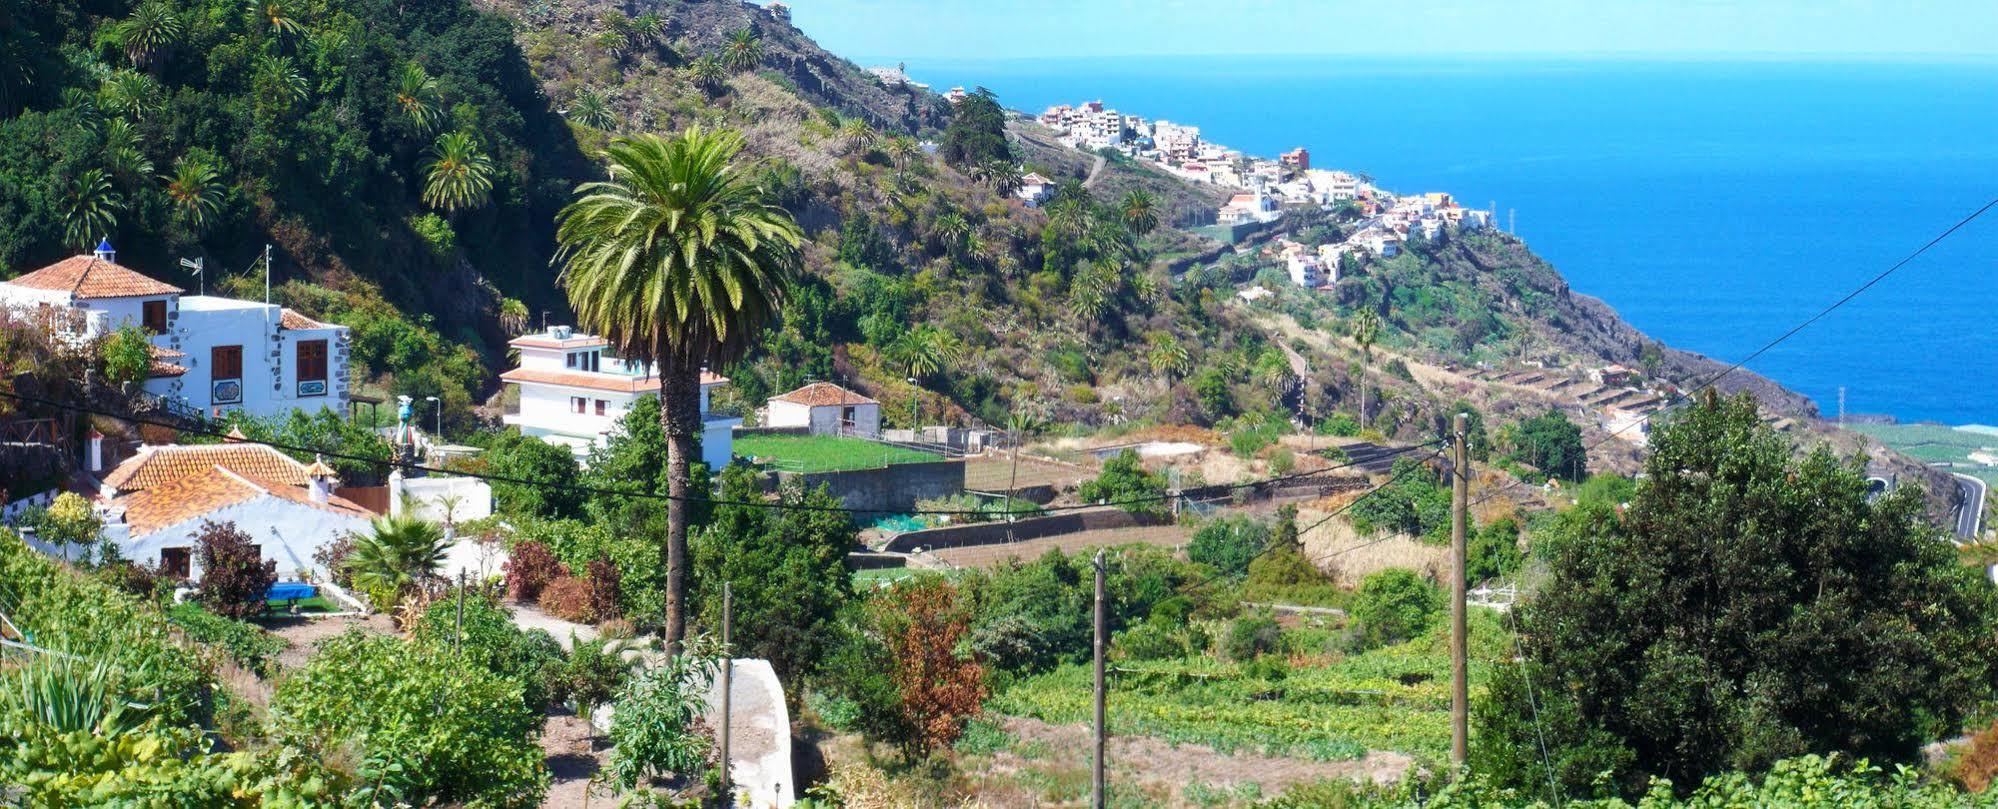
(305, 605)
(825, 453)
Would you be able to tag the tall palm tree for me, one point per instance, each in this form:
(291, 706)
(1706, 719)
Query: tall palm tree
(416, 97)
(857, 135)
(743, 51)
(1139, 210)
(926, 350)
(512, 316)
(709, 74)
(679, 258)
(1366, 329)
(591, 109)
(152, 30)
(902, 149)
(270, 16)
(90, 208)
(1020, 424)
(1167, 357)
(195, 189)
(124, 154)
(396, 555)
(951, 228)
(459, 175)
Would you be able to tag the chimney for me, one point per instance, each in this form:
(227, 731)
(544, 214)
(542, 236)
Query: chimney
(104, 252)
(96, 450)
(235, 436)
(320, 479)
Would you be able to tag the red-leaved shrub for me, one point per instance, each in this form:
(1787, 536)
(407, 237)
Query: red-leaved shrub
(604, 580)
(568, 598)
(529, 568)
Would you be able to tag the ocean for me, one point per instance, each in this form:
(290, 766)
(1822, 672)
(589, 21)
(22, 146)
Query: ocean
(1714, 205)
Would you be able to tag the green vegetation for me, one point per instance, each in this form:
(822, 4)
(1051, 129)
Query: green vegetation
(1758, 606)
(1934, 443)
(1126, 482)
(245, 643)
(1229, 544)
(825, 453)
(126, 356)
(1552, 444)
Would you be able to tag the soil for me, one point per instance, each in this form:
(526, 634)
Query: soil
(306, 634)
(574, 754)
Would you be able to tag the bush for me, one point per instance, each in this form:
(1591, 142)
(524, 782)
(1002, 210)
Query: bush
(425, 727)
(1339, 424)
(126, 356)
(1252, 636)
(234, 578)
(1149, 641)
(1493, 552)
(603, 579)
(1394, 605)
(1123, 480)
(332, 557)
(248, 644)
(657, 729)
(491, 641)
(132, 578)
(595, 672)
(1229, 544)
(530, 566)
(569, 598)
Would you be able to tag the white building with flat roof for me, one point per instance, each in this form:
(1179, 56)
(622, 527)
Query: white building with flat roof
(214, 355)
(573, 391)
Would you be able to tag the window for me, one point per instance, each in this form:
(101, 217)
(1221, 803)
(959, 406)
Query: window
(312, 367)
(577, 404)
(225, 362)
(152, 315)
(571, 358)
(174, 562)
(601, 405)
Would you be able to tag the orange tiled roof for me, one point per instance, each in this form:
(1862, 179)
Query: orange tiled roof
(156, 466)
(545, 341)
(88, 276)
(162, 368)
(618, 383)
(206, 491)
(288, 319)
(820, 394)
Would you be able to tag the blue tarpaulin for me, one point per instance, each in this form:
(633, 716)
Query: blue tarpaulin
(291, 591)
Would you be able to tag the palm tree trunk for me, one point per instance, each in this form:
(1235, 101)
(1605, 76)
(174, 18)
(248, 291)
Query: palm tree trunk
(680, 410)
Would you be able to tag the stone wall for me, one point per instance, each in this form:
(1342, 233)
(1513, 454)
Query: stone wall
(993, 533)
(887, 490)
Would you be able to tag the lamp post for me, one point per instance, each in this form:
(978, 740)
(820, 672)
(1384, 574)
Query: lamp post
(915, 403)
(440, 414)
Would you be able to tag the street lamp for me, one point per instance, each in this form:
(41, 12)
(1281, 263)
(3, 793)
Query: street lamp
(915, 402)
(440, 414)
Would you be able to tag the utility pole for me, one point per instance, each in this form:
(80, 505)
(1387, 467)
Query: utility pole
(728, 678)
(1460, 508)
(1096, 791)
(267, 273)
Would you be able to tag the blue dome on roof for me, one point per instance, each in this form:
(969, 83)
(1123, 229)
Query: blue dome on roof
(104, 246)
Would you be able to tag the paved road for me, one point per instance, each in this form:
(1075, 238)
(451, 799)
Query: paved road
(1968, 519)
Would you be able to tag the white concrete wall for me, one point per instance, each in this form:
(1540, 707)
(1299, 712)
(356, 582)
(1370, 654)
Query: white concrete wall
(426, 495)
(787, 414)
(288, 532)
(546, 407)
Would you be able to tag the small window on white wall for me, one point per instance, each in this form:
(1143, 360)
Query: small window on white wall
(578, 403)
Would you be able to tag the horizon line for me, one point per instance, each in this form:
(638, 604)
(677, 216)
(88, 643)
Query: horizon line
(1719, 57)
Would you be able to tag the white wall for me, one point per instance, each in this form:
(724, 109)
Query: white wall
(288, 532)
(546, 407)
(475, 498)
(270, 359)
(787, 414)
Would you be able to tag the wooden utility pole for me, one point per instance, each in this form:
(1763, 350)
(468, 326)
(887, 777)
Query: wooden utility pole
(1096, 791)
(728, 677)
(458, 625)
(1460, 508)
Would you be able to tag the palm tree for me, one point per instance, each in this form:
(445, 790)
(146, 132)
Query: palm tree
(709, 74)
(647, 27)
(857, 135)
(195, 189)
(1093, 290)
(1001, 175)
(152, 29)
(131, 95)
(416, 96)
(926, 350)
(1139, 211)
(124, 155)
(1167, 357)
(1020, 424)
(591, 109)
(1366, 329)
(396, 555)
(951, 228)
(903, 149)
(680, 258)
(743, 51)
(270, 15)
(279, 74)
(459, 176)
(512, 316)
(90, 208)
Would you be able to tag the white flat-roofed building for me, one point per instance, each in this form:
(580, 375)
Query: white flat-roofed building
(215, 355)
(573, 391)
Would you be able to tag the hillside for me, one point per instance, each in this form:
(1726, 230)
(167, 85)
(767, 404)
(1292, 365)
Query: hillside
(318, 124)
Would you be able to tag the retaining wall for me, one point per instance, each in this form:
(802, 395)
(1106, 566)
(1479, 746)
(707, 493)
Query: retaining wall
(993, 533)
(892, 489)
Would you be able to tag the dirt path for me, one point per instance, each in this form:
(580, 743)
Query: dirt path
(1095, 169)
(574, 754)
(305, 634)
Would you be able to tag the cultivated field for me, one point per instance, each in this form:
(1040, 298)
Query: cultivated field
(989, 555)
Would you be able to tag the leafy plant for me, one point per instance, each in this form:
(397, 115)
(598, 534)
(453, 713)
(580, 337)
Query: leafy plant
(657, 729)
(234, 575)
(1125, 481)
(247, 644)
(1230, 544)
(1393, 606)
(396, 556)
(127, 356)
(459, 174)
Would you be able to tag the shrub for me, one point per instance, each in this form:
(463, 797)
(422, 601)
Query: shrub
(1123, 480)
(1252, 636)
(530, 566)
(126, 356)
(332, 558)
(603, 579)
(248, 644)
(1229, 544)
(492, 641)
(657, 729)
(1339, 424)
(1974, 765)
(132, 578)
(234, 578)
(1149, 641)
(595, 672)
(568, 598)
(425, 727)
(1394, 605)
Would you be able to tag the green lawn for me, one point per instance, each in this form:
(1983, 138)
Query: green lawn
(1929, 442)
(305, 605)
(824, 453)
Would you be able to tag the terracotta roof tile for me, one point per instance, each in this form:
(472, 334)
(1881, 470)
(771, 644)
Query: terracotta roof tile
(821, 394)
(88, 276)
(288, 319)
(611, 382)
(156, 466)
(162, 368)
(203, 492)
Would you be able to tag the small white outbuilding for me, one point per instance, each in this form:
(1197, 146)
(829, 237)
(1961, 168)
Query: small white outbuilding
(824, 408)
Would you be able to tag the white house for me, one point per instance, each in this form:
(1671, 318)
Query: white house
(214, 354)
(573, 391)
(826, 409)
(1035, 189)
(159, 499)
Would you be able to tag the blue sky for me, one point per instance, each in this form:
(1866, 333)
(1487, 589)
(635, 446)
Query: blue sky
(886, 31)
